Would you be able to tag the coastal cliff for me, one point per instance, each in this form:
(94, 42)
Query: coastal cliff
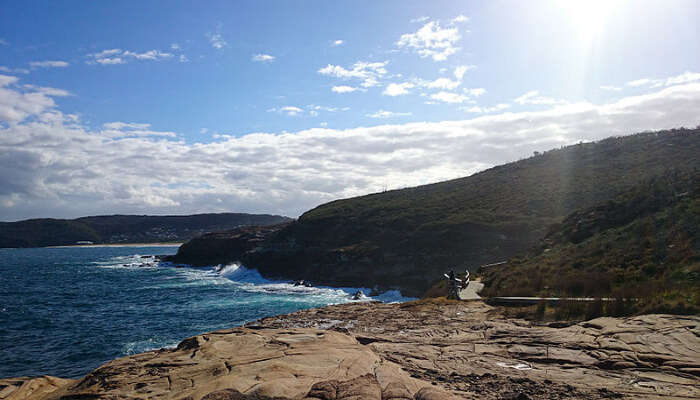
(406, 239)
(424, 350)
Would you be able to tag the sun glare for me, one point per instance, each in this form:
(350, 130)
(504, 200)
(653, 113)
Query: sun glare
(587, 16)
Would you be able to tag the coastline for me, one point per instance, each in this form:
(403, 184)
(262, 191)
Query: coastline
(159, 244)
(427, 349)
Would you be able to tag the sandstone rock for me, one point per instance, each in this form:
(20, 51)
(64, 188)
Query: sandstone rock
(28, 388)
(472, 350)
(429, 350)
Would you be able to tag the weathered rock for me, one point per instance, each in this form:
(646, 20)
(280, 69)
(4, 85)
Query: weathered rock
(471, 349)
(239, 364)
(31, 387)
(429, 350)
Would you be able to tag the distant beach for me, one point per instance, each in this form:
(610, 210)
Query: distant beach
(119, 245)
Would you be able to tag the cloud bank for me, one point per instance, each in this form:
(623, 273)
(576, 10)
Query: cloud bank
(53, 164)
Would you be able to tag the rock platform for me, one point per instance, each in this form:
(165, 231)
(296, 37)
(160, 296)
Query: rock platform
(429, 350)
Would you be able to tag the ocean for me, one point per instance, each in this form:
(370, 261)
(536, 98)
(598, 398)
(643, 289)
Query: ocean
(66, 311)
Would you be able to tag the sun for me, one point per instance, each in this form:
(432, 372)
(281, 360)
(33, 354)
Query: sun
(588, 17)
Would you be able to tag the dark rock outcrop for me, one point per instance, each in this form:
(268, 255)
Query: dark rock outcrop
(224, 247)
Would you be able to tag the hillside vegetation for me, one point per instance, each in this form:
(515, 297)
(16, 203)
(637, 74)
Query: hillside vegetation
(407, 238)
(123, 228)
(644, 245)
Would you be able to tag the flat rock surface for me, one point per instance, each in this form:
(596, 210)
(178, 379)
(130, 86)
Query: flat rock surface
(419, 350)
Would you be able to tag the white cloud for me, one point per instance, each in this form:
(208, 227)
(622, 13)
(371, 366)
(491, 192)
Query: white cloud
(48, 64)
(461, 70)
(685, 77)
(611, 88)
(263, 58)
(292, 111)
(110, 61)
(216, 40)
(107, 53)
(432, 41)
(203, 131)
(368, 72)
(420, 19)
(460, 19)
(49, 91)
(397, 89)
(638, 82)
(474, 92)
(326, 108)
(533, 97)
(323, 124)
(343, 89)
(483, 110)
(52, 164)
(126, 130)
(175, 46)
(338, 42)
(119, 56)
(147, 55)
(449, 97)
(312, 110)
(14, 70)
(388, 114)
(183, 58)
(441, 83)
(7, 80)
(16, 105)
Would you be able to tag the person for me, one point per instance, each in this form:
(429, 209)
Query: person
(452, 289)
(465, 282)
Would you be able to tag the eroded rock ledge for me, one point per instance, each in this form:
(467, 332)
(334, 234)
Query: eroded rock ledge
(419, 350)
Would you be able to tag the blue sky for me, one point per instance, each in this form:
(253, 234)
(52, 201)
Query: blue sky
(278, 106)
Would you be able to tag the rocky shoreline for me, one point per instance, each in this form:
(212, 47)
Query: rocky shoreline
(428, 349)
(276, 254)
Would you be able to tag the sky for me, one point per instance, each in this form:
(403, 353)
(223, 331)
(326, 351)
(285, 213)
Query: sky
(181, 107)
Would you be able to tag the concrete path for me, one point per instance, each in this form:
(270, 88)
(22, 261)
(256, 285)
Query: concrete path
(471, 292)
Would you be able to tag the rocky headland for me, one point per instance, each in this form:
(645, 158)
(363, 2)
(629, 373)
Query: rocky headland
(428, 349)
(406, 239)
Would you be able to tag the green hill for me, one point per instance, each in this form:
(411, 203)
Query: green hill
(407, 238)
(123, 228)
(644, 244)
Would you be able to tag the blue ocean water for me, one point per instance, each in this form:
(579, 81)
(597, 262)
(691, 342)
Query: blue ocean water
(65, 311)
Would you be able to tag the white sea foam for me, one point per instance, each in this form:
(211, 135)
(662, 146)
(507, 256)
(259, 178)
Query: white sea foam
(128, 262)
(251, 281)
(248, 280)
(149, 344)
